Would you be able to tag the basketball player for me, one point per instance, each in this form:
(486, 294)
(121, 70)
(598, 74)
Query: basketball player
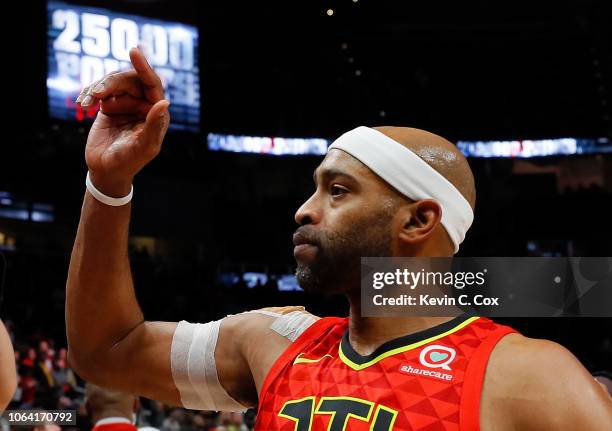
(8, 373)
(110, 410)
(385, 192)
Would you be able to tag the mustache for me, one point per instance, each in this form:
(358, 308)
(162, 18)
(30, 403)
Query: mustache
(306, 235)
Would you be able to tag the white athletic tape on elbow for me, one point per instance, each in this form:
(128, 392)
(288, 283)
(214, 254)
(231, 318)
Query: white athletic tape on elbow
(194, 369)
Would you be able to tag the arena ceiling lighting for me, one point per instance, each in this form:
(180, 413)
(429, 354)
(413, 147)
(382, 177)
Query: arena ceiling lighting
(277, 146)
(535, 148)
(268, 145)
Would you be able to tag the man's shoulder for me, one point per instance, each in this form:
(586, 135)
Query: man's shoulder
(529, 362)
(539, 383)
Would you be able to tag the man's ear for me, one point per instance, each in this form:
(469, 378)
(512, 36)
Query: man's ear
(420, 220)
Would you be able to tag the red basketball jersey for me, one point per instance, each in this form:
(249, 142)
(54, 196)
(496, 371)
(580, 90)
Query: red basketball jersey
(427, 381)
(120, 426)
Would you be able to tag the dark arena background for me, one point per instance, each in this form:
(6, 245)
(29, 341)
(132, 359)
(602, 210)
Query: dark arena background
(524, 87)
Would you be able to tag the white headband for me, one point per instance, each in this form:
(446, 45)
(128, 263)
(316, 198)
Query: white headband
(410, 175)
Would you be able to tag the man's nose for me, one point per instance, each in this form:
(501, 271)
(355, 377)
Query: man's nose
(309, 212)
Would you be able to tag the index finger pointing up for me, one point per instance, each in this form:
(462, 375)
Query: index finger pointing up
(153, 89)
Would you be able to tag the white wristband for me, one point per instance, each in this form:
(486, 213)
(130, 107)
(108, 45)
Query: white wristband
(99, 196)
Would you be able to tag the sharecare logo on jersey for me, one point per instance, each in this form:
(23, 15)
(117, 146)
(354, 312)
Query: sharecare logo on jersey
(436, 356)
(409, 369)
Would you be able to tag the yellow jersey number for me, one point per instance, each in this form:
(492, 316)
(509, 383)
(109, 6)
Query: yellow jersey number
(341, 409)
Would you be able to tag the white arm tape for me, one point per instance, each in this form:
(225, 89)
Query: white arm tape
(194, 369)
(292, 325)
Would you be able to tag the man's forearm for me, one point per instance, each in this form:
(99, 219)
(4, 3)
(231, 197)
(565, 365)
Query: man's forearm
(101, 306)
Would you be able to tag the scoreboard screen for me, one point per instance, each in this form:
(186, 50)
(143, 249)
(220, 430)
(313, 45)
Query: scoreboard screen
(86, 43)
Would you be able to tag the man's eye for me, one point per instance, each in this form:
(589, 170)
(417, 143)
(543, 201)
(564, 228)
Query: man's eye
(337, 190)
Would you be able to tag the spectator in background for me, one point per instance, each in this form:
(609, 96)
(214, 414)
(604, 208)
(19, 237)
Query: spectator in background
(175, 421)
(231, 421)
(47, 427)
(204, 421)
(27, 387)
(45, 351)
(110, 410)
(30, 358)
(151, 414)
(46, 394)
(8, 374)
(63, 376)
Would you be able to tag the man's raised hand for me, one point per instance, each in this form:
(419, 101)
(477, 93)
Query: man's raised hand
(130, 126)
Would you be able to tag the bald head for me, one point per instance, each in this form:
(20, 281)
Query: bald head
(438, 153)
(103, 403)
